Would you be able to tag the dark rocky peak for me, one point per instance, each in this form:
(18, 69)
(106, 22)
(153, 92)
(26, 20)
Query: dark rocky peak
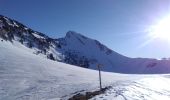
(9, 29)
(11, 26)
(10, 22)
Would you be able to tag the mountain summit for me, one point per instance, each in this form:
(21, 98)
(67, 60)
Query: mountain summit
(77, 49)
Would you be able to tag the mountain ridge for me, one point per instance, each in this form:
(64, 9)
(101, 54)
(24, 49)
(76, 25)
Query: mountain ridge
(77, 49)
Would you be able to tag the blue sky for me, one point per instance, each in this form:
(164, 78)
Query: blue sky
(119, 24)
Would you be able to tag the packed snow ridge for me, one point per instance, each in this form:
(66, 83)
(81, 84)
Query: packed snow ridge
(79, 50)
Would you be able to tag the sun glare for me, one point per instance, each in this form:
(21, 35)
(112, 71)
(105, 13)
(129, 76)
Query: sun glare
(161, 29)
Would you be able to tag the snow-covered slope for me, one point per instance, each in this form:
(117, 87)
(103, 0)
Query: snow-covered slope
(76, 49)
(26, 76)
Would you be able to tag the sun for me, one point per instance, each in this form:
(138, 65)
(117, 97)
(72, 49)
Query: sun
(162, 29)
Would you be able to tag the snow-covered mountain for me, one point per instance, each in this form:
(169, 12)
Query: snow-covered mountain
(78, 50)
(26, 76)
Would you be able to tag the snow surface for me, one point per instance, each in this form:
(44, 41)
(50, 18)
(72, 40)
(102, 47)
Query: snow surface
(156, 88)
(25, 76)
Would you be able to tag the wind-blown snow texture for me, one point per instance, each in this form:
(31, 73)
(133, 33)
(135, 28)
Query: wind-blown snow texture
(76, 49)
